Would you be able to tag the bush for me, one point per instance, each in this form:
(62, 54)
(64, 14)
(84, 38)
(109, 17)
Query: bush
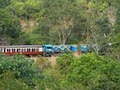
(91, 71)
(42, 63)
(21, 68)
(9, 82)
(64, 62)
(88, 72)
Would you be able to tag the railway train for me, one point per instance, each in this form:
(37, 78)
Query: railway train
(44, 50)
(48, 50)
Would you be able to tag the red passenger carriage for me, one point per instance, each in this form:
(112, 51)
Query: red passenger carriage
(22, 49)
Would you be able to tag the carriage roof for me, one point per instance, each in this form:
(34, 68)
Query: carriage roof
(21, 46)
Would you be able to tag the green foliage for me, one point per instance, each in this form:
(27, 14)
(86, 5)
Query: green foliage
(9, 27)
(35, 39)
(64, 62)
(8, 81)
(42, 64)
(57, 25)
(24, 9)
(21, 67)
(4, 3)
(87, 72)
(92, 71)
(61, 21)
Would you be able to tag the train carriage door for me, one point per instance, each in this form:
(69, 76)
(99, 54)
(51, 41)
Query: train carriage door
(40, 49)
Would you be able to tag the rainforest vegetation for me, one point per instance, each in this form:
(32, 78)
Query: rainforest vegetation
(37, 22)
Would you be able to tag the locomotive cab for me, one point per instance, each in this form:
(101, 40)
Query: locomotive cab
(48, 50)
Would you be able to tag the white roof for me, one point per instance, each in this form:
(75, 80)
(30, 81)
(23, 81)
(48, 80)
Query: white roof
(21, 46)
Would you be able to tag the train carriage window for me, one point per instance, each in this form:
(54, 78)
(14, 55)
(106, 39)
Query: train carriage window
(8, 50)
(28, 50)
(25, 50)
(4, 49)
(36, 50)
(18, 50)
(33, 50)
(13, 50)
(22, 50)
(0, 50)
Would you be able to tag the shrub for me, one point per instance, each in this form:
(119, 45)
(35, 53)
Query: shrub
(9, 82)
(42, 63)
(20, 66)
(64, 62)
(92, 71)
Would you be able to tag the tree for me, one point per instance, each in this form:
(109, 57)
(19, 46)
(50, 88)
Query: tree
(91, 71)
(35, 39)
(26, 9)
(4, 3)
(20, 68)
(59, 19)
(9, 27)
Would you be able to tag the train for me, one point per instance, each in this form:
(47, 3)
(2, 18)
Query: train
(43, 50)
(49, 50)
